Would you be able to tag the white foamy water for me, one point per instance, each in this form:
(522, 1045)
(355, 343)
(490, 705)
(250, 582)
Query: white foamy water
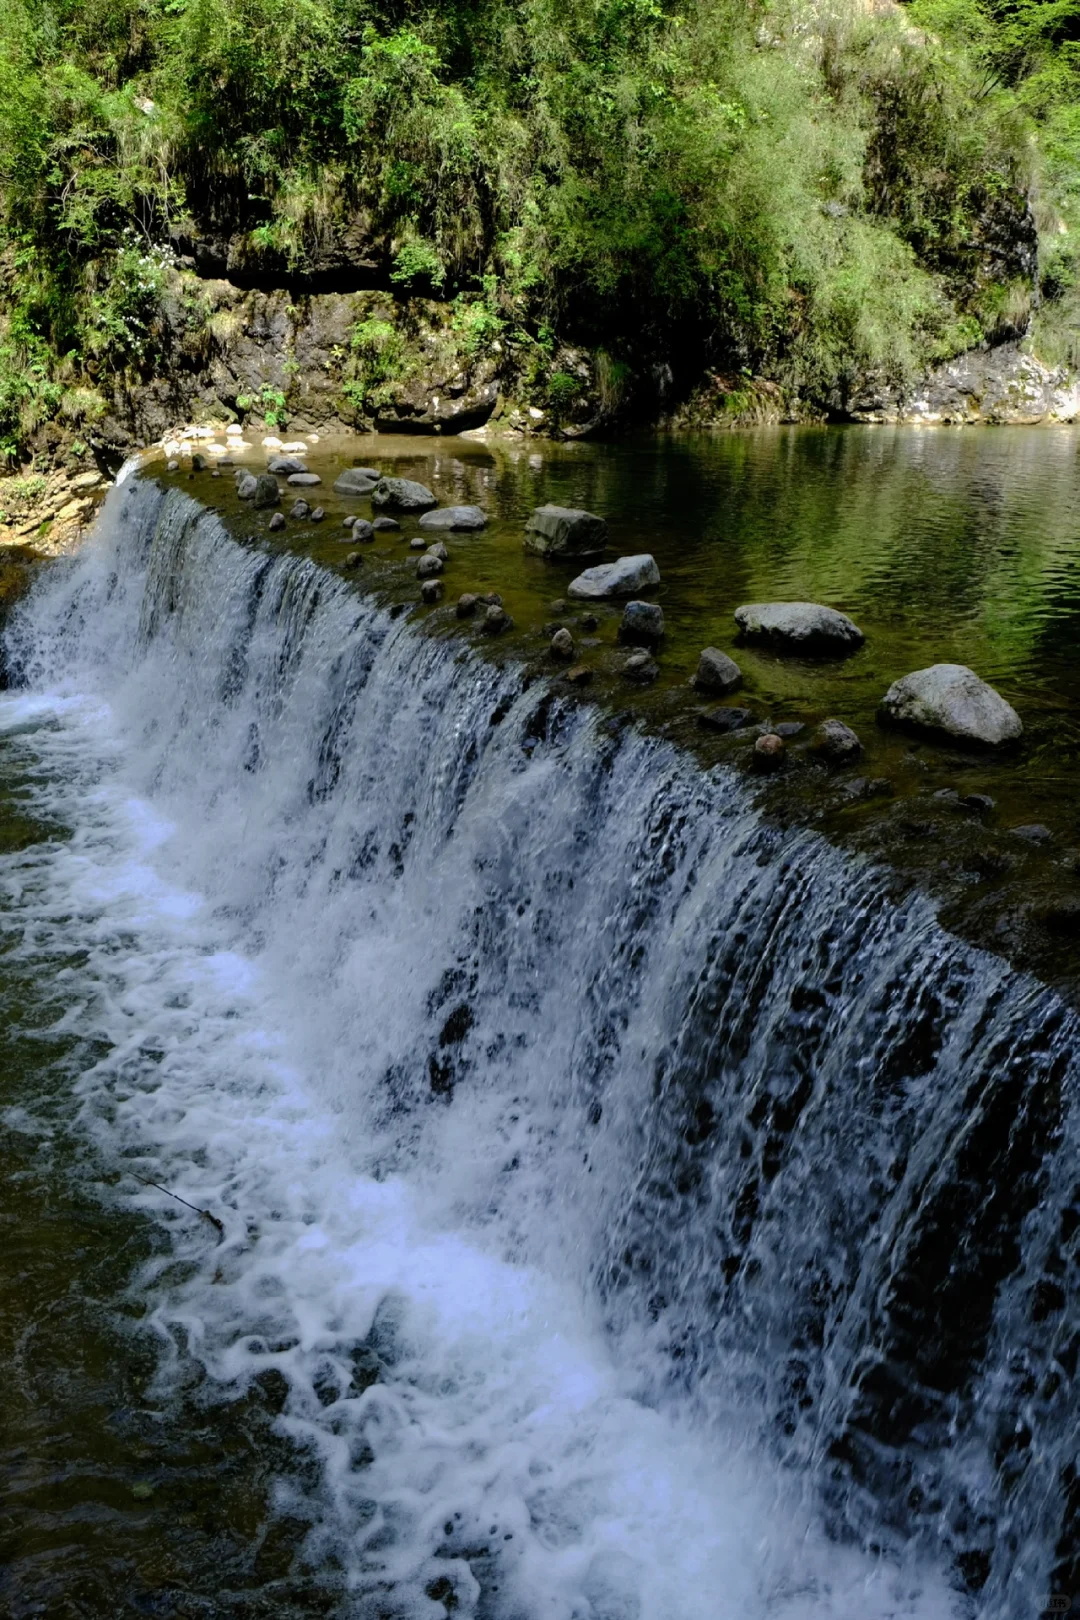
(383, 985)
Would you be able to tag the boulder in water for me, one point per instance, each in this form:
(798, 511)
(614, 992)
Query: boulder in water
(247, 486)
(303, 480)
(355, 559)
(265, 494)
(799, 627)
(836, 743)
(382, 524)
(402, 495)
(355, 481)
(641, 668)
(562, 644)
(724, 718)
(285, 465)
(642, 624)
(565, 531)
(277, 522)
(769, 752)
(580, 675)
(318, 515)
(429, 566)
(950, 700)
(466, 605)
(361, 531)
(620, 578)
(716, 672)
(431, 590)
(454, 517)
(438, 550)
(300, 509)
(496, 620)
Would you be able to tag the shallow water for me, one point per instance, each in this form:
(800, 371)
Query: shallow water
(589, 1160)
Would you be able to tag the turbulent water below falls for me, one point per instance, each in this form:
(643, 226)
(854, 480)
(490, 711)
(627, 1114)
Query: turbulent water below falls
(639, 1213)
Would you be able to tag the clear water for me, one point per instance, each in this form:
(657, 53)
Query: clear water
(621, 1209)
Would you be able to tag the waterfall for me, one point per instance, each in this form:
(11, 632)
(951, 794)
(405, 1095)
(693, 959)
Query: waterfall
(639, 1211)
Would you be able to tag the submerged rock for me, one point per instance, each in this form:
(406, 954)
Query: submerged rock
(355, 481)
(285, 465)
(620, 578)
(354, 560)
(496, 620)
(950, 700)
(642, 624)
(402, 494)
(385, 523)
(836, 743)
(799, 627)
(265, 493)
(565, 531)
(454, 517)
(725, 719)
(716, 672)
(640, 667)
(580, 675)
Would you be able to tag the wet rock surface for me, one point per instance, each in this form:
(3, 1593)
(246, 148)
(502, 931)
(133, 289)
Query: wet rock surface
(951, 700)
(562, 531)
(402, 495)
(799, 627)
(620, 578)
(716, 672)
(454, 517)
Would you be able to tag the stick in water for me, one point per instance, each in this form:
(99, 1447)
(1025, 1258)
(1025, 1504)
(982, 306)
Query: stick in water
(205, 1213)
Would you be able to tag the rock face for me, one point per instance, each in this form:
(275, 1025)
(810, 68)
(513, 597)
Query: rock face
(454, 517)
(642, 624)
(951, 700)
(355, 481)
(620, 578)
(836, 743)
(265, 493)
(1000, 385)
(402, 495)
(565, 531)
(799, 627)
(716, 672)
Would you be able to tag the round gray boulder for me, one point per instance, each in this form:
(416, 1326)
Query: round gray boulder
(454, 517)
(642, 624)
(950, 700)
(401, 495)
(716, 672)
(799, 627)
(356, 481)
(620, 578)
(836, 743)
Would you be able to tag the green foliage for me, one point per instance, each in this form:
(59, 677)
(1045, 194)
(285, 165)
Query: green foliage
(799, 189)
(269, 402)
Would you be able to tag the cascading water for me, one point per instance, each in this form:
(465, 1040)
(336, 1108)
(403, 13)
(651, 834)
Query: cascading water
(644, 1214)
